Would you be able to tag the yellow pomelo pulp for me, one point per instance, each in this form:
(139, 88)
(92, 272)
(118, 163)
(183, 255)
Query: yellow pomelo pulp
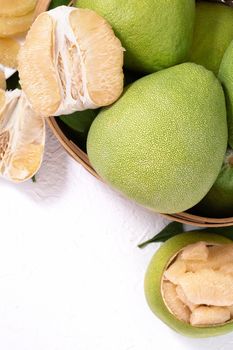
(16, 8)
(22, 137)
(213, 33)
(10, 26)
(2, 81)
(163, 142)
(75, 62)
(9, 49)
(155, 34)
(153, 279)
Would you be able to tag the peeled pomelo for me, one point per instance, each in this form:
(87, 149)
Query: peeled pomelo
(155, 34)
(75, 62)
(207, 322)
(163, 142)
(16, 8)
(9, 49)
(10, 26)
(22, 137)
(219, 200)
(213, 32)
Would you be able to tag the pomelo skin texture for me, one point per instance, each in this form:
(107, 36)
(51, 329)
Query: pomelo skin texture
(219, 200)
(152, 284)
(163, 142)
(213, 32)
(226, 77)
(155, 34)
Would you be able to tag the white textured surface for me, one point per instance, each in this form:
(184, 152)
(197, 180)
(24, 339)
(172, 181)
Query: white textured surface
(71, 275)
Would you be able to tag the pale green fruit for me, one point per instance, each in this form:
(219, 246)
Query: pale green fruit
(226, 77)
(213, 32)
(154, 275)
(163, 142)
(219, 200)
(155, 34)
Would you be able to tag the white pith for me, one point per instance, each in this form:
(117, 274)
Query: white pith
(63, 32)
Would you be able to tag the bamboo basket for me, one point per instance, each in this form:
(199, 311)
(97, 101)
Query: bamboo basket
(82, 158)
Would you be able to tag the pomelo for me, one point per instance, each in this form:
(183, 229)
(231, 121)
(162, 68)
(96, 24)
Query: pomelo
(226, 77)
(156, 298)
(213, 32)
(219, 200)
(155, 34)
(75, 62)
(163, 142)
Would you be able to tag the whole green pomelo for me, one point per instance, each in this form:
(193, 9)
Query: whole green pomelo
(155, 34)
(213, 32)
(219, 200)
(226, 77)
(154, 274)
(163, 142)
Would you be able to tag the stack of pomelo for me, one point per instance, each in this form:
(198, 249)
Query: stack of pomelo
(162, 143)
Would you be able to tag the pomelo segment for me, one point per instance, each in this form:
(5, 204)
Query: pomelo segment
(177, 269)
(10, 26)
(174, 303)
(208, 287)
(96, 47)
(9, 49)
(218, 256)
(209, 315)
(184, 299)
(39, 79)
(75, 62)
(197, 251)
(22, 137)
(2, 81)
(16, 8)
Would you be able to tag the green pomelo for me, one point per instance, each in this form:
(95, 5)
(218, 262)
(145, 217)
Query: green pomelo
(213, 32)
(154, 276)
(219, 200)
(155, 34)
(163, 142)
(80, 121)
(76, 126)
(226, 77)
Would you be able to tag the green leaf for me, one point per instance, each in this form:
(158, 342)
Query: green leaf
(172, 229)
(34, 178)
(175, 228)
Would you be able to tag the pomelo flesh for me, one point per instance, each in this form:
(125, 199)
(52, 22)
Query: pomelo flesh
(153, 293)
(75, 62)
